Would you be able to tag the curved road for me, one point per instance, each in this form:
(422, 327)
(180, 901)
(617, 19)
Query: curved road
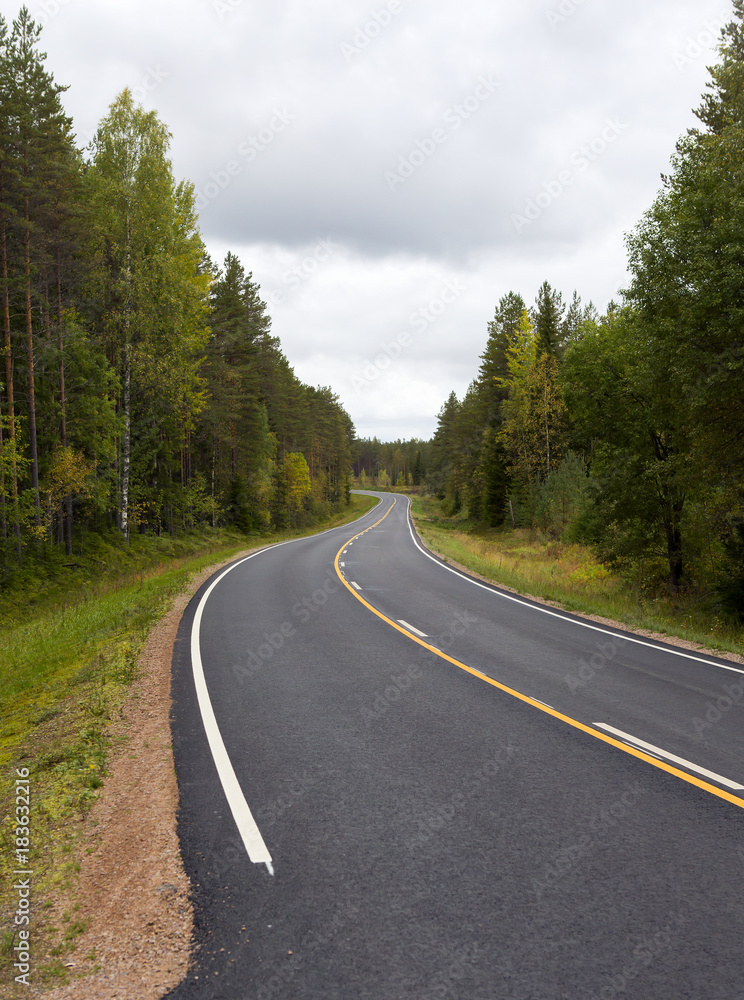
(398, 782)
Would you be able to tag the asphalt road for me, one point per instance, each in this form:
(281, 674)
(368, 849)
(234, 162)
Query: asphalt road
(420, 790)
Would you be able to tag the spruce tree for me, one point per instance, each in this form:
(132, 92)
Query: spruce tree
(547, 317)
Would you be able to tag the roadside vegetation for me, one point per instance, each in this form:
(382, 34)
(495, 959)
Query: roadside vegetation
(618, 434)
(571, 575)
(68, 658)
(141, 388)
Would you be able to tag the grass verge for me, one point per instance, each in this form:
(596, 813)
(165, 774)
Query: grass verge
(66, 668)
(570, 576)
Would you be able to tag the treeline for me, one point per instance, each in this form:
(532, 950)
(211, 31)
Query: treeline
(392, 464)
(626, 429)
(140, 386)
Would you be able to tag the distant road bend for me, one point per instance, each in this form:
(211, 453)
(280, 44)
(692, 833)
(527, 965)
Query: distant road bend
(398, 781)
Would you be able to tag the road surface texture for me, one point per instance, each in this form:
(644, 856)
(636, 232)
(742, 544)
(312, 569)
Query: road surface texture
(398, 783)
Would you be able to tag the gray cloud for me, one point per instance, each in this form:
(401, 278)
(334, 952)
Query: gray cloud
(291, 117)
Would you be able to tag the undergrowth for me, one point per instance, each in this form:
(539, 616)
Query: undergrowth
(571, 575)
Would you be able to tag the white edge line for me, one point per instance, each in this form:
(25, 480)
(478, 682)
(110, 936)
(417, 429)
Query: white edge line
(246, 824)
(670, 756)
(423, 635)
(556, 614)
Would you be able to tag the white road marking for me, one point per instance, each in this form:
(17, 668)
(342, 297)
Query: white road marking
(246, 824)
(257, 850)
(670, 756)
(564, 617)
(355, 585)
(423, 635)
(545, 704)
(343, 564)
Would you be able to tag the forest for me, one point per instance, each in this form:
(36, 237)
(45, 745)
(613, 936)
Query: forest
(626, 430)
(141, 389)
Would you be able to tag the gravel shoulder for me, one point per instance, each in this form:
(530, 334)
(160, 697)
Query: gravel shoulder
(132, 890)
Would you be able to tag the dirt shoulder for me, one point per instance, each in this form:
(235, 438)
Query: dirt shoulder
(132, 890)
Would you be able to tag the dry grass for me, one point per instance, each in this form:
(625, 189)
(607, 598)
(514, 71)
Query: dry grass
(571, 576)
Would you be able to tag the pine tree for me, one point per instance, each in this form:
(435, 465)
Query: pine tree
(685, 260)
(493, 366)
(8, 178)
(42, 136)
(547, 317)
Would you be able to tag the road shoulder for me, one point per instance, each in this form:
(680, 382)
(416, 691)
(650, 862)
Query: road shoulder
(132, 890)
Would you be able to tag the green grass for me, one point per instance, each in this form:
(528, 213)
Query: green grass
(570, 575)
(68, 655)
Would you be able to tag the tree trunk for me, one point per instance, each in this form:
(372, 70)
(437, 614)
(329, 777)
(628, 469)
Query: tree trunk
(674, 546)
(8, 350)
(63, 399)
(30, 360)
(127, 443)
(126, 446)
(3, 514)
(214, 459)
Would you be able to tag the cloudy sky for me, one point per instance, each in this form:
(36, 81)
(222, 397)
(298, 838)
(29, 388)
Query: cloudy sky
(388, 170)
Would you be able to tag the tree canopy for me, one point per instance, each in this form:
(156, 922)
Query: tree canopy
(141, 388)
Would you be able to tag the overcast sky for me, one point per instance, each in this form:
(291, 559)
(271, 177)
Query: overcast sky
(387, 171)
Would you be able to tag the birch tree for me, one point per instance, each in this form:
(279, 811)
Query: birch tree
(151, 278)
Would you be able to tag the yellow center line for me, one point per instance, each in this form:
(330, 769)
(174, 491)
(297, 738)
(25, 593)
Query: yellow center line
(660, 764)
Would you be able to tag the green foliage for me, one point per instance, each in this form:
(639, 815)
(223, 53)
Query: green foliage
(563, 497)
(731, 587)
(152, 395)
(624, 395)
(625, 430)
(685, 261)
(547, 318)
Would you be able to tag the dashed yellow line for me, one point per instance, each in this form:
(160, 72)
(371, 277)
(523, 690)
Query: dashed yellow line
(660, 764)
